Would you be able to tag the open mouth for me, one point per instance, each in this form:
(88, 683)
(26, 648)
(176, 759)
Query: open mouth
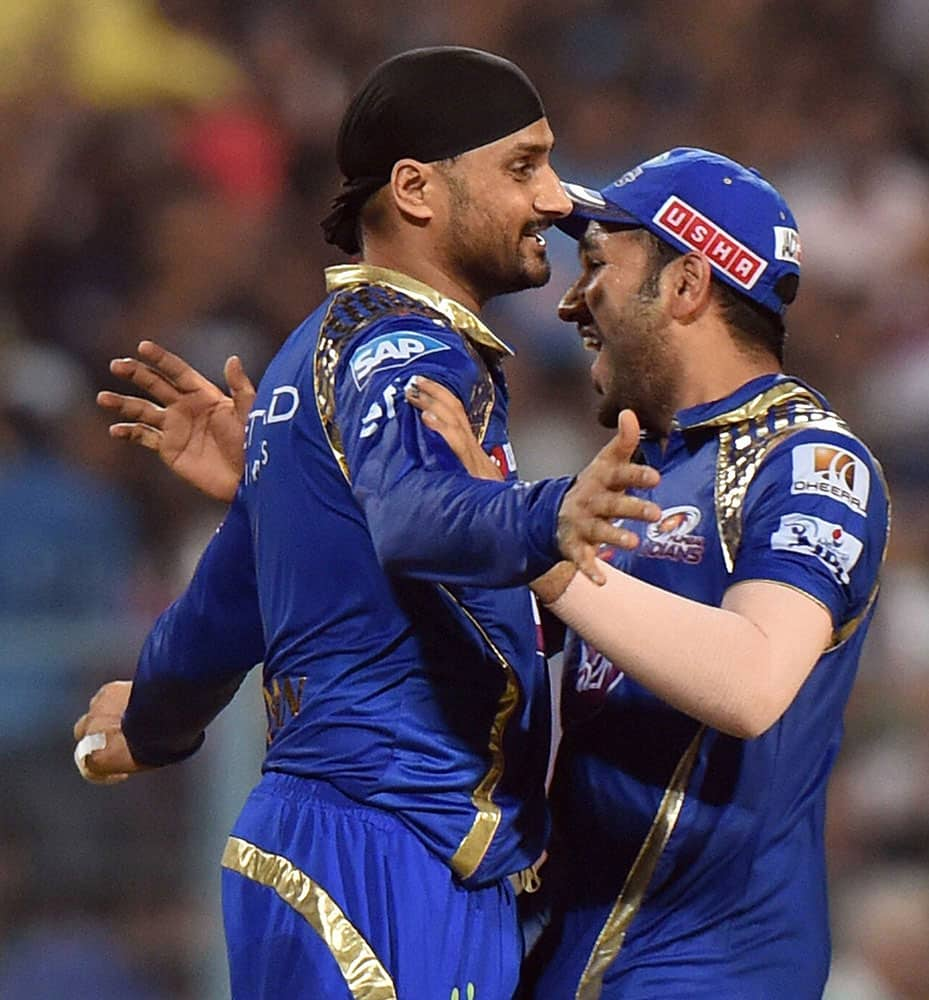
(536, 234)
(590, 338)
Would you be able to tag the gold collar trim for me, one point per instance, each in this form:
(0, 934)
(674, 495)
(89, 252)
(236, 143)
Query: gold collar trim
(346, 275)
(759, 405)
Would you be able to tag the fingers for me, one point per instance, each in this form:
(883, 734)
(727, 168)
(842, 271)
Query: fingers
(172, 367)
(432, 398)
(132, 408)
(147, 379)
(240, 386)
(102, 757)
(80, 727)
(613, 506)
(147, 437)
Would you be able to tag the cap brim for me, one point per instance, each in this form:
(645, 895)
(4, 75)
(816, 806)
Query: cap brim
(591, 206)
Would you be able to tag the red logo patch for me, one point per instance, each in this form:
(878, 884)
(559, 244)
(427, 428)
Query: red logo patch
(723, 251)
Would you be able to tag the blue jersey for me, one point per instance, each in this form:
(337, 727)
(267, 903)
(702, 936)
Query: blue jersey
(692, 862)
(379, 583)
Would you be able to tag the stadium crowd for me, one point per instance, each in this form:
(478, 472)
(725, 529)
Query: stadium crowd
(163, 171)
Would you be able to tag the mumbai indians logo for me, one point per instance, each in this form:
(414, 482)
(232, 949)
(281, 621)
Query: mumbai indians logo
(672, 537)
(825, 470)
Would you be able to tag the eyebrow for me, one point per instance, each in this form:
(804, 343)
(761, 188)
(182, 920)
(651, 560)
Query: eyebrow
(585, 244)
(531, 147)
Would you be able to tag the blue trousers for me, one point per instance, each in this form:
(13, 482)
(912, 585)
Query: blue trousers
(325, 898)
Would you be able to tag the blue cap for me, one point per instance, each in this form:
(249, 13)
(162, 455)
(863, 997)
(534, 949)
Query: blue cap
(697, 200)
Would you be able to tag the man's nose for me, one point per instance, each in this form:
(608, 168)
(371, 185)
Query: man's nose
(573, 307)
(551, 199)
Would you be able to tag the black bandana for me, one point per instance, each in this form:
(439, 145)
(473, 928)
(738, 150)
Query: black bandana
(427, 104)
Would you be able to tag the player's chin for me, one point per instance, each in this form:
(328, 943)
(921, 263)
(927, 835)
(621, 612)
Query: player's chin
(535, 270)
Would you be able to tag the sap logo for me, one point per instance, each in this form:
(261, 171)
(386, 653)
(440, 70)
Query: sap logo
(723, 251)
(787, 245)
(831, 544)
(672, 537)
(391, 350)
(825, 470)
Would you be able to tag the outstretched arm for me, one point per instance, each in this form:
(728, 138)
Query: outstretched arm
(596, 498)
(194, 427)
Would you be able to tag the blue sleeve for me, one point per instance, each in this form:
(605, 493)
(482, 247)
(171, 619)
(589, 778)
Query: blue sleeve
(427, 517)
(816, 519)
(199, 650)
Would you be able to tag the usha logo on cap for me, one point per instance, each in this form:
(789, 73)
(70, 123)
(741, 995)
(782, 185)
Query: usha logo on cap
(723, 251)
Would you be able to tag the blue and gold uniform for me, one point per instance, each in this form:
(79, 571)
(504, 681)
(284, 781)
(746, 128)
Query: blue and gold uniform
(406, 693)
(689, 863)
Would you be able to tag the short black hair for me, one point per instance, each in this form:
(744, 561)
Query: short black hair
(751, 324)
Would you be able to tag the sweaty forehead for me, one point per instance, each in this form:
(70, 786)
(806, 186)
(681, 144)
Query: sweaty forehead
(613, 241)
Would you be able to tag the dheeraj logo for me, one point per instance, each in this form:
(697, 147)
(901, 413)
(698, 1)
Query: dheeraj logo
(826, 470)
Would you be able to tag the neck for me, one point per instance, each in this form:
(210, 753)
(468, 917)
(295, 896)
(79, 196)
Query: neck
(730, 370)
(712, 364)
(420, 265)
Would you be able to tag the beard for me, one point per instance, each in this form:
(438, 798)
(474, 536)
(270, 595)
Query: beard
(492, 262)
(642, 370)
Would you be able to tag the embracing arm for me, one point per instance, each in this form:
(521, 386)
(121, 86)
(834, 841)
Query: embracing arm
(737, 667)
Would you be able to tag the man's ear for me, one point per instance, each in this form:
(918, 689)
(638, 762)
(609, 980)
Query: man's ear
(692, 286)
(409, 187)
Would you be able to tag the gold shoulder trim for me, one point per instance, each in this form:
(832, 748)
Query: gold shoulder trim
(346, 275)
(365, 976)
(344, 319)
(613, 933)
(747, 435)
(476, 842)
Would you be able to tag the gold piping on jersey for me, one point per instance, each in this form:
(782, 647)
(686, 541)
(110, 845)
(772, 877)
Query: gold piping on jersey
(613, 933)
(365, 976)
(335, 335)
(460, 317)
(333, 338)
(476, 842)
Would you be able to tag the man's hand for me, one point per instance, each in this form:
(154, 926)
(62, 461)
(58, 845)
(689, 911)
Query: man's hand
(197, 431)
(597, 499)
(442, 412)
(102, 755)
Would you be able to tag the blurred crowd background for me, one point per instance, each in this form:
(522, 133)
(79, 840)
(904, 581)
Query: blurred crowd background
(163, 169)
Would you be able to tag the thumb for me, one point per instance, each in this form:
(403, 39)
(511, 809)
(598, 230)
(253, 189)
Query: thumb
(240, 385)
(628, 432)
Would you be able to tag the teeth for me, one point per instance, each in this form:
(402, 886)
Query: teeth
(540, 239)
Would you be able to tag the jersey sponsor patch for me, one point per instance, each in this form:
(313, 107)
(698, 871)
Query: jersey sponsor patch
(503, 455)
(392, 350)
(831, 544)
(829, 471)
(672, 537)
(698, 232)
